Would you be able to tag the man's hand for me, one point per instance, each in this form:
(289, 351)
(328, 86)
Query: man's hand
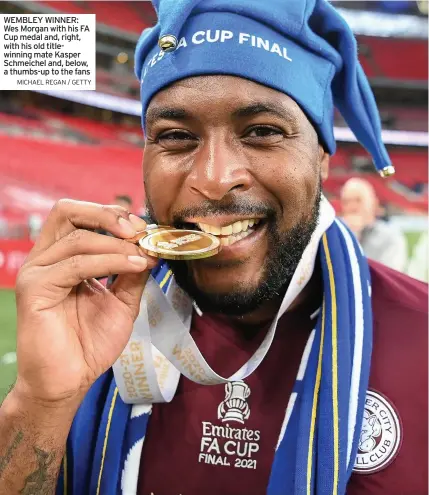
(71, 329)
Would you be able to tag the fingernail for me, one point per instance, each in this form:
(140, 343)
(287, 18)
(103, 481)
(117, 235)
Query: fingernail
(138, 261)
(96, 285)
(127, 229)
(151, 261)
(137, 222)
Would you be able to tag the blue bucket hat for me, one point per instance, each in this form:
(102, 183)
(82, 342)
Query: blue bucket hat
(303, 48)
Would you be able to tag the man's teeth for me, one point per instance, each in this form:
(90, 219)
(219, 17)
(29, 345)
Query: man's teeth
(231, 239)
(233, 228)
(233, 232)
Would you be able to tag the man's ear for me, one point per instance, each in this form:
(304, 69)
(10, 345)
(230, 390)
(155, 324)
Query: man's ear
(324, 163)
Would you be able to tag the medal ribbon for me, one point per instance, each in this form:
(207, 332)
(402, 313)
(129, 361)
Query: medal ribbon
(161, 346)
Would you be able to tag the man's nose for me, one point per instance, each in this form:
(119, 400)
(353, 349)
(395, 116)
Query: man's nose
(219, 168)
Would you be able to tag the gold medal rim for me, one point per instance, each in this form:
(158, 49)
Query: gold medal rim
(182, 255)
(141, 235)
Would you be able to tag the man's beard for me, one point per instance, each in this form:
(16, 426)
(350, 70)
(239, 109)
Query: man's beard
(285, 252)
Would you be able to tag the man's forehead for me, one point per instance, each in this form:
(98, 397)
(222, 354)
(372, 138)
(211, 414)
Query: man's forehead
(235, 96)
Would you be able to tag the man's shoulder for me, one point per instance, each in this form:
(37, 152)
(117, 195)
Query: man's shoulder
(400, 336)
(400, 316)
(397, 397)
(397, 292)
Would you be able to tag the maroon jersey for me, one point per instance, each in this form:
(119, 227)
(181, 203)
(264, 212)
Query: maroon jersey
(191, 448)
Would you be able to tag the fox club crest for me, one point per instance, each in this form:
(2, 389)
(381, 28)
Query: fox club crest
(381, 435)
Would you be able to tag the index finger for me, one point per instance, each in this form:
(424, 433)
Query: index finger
(68, 215)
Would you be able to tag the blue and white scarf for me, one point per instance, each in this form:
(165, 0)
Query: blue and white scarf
(318, 442)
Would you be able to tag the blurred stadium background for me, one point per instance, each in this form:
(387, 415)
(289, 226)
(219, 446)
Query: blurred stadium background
(88, 145)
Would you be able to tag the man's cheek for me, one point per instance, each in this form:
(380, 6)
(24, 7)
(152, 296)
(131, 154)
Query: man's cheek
(158, 197)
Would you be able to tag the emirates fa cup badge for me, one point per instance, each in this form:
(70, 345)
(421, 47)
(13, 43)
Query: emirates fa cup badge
(234, 407)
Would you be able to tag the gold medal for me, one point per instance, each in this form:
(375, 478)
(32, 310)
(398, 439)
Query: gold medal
(178, 244)
(150, 229)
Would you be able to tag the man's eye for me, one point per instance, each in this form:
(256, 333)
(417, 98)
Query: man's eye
(262, 131)
(176, 136)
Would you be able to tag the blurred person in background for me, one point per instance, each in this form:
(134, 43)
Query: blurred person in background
(124, 201)
(380, 240)
(35, 222)
(3, 223)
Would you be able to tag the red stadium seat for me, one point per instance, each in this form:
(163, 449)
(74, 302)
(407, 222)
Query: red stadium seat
(390, 58)
(127, 16)
(92, 173)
